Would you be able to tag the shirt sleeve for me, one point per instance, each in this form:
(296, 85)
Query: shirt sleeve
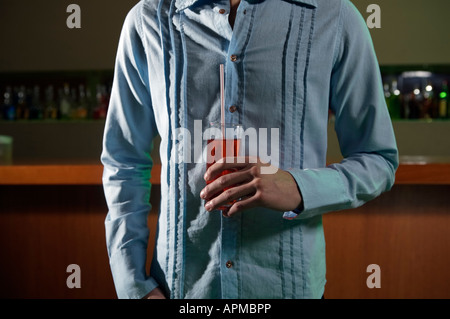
(363, 127)
(127, 144)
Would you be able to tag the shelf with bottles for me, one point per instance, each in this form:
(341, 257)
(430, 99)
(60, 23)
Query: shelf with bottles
(55, 96)
(417, 93)
(411, 92)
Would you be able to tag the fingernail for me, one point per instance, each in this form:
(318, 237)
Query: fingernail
(202, 194)
(205, 177)
(208, 206)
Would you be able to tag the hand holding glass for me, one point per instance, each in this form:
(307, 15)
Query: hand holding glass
(223, 142)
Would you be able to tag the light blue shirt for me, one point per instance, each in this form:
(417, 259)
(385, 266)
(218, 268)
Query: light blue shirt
(287, 63)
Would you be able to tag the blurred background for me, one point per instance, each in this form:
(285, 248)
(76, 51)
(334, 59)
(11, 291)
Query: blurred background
(55, 84)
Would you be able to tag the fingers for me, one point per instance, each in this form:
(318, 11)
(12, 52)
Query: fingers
(244, 204)
(229, 179)
(228, 196)
(155, 294)
(234, 184)
(227, 163)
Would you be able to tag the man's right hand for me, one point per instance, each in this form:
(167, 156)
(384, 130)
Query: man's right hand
(155, 294)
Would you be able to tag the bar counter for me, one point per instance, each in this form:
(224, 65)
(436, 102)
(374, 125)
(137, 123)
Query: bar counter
(52, 215)
(413, 172)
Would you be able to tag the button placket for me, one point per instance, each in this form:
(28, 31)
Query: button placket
(229, 259)
(234, 66)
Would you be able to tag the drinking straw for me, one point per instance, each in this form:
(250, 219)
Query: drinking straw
(222, 100)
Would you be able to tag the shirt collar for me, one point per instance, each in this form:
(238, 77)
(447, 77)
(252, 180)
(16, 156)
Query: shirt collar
(312, 3)
(183, 4)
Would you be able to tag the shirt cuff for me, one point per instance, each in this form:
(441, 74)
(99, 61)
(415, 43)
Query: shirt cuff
(322, 191)
(128, 269)
(290, 215)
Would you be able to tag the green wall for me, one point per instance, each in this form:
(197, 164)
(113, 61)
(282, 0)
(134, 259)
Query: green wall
(35, 37)
(412, 31)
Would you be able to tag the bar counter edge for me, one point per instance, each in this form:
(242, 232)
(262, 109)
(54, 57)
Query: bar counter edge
(91, 174)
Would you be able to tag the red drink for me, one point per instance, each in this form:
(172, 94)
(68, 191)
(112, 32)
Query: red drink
(220, 148)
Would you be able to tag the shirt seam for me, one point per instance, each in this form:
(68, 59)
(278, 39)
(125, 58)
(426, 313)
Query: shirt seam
(338, 40)
(139, 27)
(283, 84)
(305, 89)
(296, 76)
(184, 177)
(174, 202)
(241, 89)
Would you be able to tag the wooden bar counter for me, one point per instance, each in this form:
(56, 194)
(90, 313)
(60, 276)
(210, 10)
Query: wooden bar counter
(59, 174)
(53, 215)
(91, 174)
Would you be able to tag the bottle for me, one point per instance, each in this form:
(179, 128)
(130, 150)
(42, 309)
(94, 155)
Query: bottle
(405, 105)
(36, 109)
(387, 95)
(9, 109)
(22, 110)
(443, 101)
(75, 103)
(387, 92)
(395, 107)
(65, 104)
(51, 109)
(2, 106)
(102, 103)
(83, 105)
(428, 103)
(415, 103)
(91, 102)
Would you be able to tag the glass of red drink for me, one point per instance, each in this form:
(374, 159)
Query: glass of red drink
(223, 141)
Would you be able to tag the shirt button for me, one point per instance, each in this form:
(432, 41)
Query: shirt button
(222, 11)
(232, 109)
(228, 264)
(233, 58)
